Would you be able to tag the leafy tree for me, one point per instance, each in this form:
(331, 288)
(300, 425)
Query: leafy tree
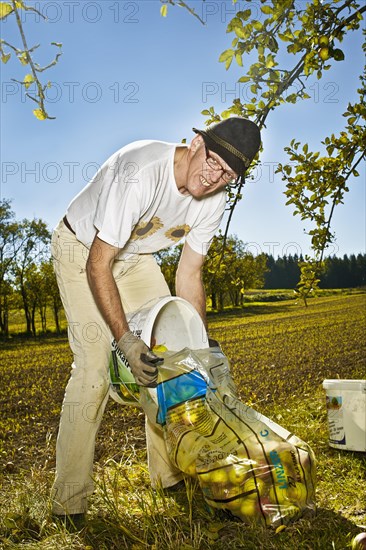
(51, 291)
(10, 244)
(318, 183)
(292, 43)
(33, 248)
(168, 260)
(229, 274)
(346, 272)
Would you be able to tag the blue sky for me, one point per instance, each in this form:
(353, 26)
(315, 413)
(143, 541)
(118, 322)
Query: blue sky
(127, 73)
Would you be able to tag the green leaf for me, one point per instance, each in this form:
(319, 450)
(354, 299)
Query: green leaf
(228, 63)
(244, 15)
(240, 32)
(205, 112)
(5, 9)
(239, 59)
(59, 44)
(270, 61)
(292, 98)
(244, 79)
(285, 37)
(5, 58)
(28, 80)
(338, 54)
(227, 54)
(266, 9)
(23, 58)
(257, 25)
(164, 10)
(40, 114)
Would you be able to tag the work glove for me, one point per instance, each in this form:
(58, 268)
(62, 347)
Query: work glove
(213, 343)
(143, 362)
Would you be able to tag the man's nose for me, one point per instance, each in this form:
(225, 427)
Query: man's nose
(214, 175)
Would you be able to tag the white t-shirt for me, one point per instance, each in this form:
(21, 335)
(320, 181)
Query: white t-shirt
(134, 204)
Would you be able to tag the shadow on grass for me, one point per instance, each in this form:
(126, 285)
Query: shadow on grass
(14, 341)
(258, 308)
(326, 529)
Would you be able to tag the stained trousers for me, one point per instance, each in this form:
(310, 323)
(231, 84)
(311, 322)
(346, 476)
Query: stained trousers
(139, 281)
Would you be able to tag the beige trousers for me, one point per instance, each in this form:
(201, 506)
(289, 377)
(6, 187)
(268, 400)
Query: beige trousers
(139, 281)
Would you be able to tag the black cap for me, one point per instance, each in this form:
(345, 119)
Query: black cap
(236, 140)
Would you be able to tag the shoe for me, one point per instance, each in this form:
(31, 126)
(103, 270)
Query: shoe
(177, 487)
(71, 522)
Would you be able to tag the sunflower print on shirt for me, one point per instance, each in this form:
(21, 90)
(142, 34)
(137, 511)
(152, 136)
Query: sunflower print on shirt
(145, 229)
(177, 233)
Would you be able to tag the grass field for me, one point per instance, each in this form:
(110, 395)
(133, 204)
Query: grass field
(280, 352)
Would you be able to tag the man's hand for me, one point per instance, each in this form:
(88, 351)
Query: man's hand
(143, 362)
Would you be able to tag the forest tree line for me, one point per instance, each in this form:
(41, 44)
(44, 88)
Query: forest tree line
(28, 282)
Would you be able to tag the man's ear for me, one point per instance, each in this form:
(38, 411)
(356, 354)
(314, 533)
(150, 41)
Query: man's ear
(196, 142)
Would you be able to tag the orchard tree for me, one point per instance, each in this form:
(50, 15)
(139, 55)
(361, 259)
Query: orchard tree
(293, 42)
(34, 247)
(10, 244)
(23, 244)
(230, 274)
(316, 184)
(51, 291)
(168, 260)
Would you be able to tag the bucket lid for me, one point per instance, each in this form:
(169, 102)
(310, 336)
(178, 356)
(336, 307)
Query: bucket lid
(336, 384)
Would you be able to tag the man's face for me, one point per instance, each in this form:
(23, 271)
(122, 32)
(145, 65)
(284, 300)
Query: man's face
(207, 172)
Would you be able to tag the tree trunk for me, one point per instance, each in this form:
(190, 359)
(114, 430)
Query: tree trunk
(213, 300)
(33, 321)
(43, 314)
(56, 318)
(4, 318)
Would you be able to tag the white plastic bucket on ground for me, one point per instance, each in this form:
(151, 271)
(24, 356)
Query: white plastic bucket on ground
(171, 322)
(346, 405)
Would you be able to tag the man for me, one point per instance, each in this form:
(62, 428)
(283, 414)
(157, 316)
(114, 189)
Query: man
(146, 197)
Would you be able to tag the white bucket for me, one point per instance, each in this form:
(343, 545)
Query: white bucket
(171, 322)
(346, 405)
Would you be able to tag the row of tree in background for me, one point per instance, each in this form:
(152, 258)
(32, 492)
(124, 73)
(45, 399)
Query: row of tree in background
(346, 272)
(28, 283)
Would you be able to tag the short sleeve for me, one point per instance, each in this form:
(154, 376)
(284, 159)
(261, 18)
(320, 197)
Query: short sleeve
(201, 235)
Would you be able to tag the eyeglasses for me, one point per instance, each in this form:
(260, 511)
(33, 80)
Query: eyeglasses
(228, 177)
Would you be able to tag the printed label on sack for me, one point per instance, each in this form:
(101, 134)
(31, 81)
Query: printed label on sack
(335, 420)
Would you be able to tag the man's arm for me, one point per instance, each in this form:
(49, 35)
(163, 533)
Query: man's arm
(99, 265)
(188, 283)
(103, 286)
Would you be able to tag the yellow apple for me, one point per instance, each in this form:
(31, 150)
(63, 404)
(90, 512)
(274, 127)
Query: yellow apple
(324, 53)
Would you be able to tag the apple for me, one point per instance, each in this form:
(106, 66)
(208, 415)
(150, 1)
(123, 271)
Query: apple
(324, 53)
(323, 41)
(237, 474)
(248, 508)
